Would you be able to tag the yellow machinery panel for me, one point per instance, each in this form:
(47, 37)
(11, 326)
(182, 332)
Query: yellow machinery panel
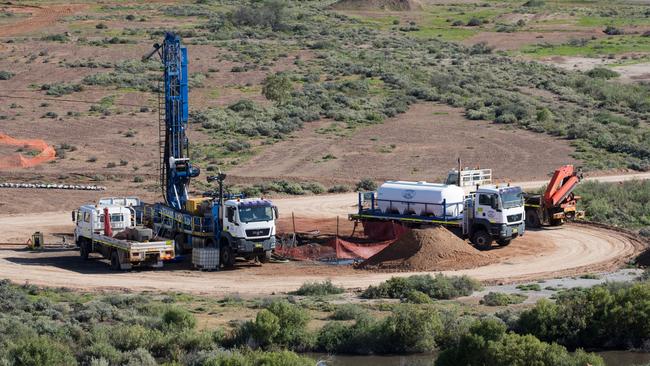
(192, 205)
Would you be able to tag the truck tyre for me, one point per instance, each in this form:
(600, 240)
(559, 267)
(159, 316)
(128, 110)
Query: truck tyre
(482, 239)
(266, 257)
(226, 256)
(532, 219)
(115, 261)
(504, 242)
(179, 248)
(84, 251)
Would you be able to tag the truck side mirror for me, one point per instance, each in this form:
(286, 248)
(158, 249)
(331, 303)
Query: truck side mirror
(74, 216)
(276, 212)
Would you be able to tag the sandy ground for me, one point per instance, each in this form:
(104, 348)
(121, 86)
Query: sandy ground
(576, 249)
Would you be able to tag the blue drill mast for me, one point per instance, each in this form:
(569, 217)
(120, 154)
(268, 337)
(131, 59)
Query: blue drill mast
(175, 166)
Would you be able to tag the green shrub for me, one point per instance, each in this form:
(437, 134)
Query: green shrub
(6, 75)
(602, 316)
(438, 287)
(58, 89)
(366, 184)
(277, 88)
(348, 312)
(534, 3)
(318, 289)
(40, 350)
(529, 287)
(178, 319)
(339, 188)
(418, 297)
(501, 299)
(488, 343)
(620, 204)
(292, 332)
(474, 22)
(602, 73)
(265, 327)
(313, 187)
(408, 329)
(139, 357)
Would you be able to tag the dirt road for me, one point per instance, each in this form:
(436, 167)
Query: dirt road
(575, 249)
(343, 204)
(551, 252)
(38, 18)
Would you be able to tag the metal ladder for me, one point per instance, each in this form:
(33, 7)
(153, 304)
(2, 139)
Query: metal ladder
(162, 131)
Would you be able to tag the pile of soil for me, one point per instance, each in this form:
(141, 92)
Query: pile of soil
(395, 5)
(434, 249)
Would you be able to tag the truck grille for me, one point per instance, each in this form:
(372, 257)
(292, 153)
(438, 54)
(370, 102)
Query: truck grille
(257, 232)
(513, 218)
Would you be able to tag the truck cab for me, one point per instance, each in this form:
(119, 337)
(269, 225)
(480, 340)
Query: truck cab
(247, 229)
(89, 219)
(494, 213)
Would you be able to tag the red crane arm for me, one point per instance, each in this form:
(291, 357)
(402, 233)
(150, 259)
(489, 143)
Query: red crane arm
(561, 185)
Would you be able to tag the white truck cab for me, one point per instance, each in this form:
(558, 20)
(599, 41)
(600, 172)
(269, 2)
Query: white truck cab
(127, 244)
(497, 212)
(248, 228)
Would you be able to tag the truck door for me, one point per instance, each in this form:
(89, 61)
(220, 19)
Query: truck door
(230, 220)
(484, 208)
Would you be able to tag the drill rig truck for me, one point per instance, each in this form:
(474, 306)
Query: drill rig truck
(238, 226)
(558, 203)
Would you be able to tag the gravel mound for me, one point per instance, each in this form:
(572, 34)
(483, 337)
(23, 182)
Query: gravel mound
(395, 5)
(434, 249)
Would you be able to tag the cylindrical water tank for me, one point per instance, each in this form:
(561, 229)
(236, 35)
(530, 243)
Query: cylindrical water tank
(420, 198)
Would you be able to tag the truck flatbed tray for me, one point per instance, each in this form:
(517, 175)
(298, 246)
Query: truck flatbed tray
(455, 221)
(133, 245)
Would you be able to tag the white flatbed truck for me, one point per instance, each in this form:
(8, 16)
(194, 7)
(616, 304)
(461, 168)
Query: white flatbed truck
(131, 245)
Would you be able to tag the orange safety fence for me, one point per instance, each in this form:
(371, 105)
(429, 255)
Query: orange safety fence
(17, 160)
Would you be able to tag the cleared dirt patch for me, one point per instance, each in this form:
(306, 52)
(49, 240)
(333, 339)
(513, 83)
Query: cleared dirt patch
(434, 249)
(421, 144)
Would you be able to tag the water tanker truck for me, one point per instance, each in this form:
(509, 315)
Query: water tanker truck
(487, 214)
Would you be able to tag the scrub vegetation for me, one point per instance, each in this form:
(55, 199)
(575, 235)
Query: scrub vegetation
(325, 74)
(62, 327)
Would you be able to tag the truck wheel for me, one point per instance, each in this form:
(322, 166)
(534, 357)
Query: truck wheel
(227, 257)
(504, 242)
(532, 219)
(482, 239)
(266, 257)
(115, 261)
(179, 249)
(84, 251)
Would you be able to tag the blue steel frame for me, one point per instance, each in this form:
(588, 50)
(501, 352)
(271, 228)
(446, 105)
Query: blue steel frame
(178, 169)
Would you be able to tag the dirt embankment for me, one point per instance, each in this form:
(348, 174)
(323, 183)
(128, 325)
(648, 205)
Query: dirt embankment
(435, 249)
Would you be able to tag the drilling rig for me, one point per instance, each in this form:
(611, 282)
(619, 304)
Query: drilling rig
(239, 227)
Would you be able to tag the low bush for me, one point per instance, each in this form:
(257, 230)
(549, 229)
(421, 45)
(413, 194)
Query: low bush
(529, 287)
(438, 287)
(408, 329)
(178, 319)
(348, 312)
(621, 204)
(487, 343)
(602, 316)
(318, 289)
(501, 299)
(602, 73)
(366, 184)
(58, 89)
(280, 324)
(339, 188)
(6, 75)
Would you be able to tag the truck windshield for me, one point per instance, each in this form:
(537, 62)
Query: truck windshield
(255, 213)
(512, 197)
